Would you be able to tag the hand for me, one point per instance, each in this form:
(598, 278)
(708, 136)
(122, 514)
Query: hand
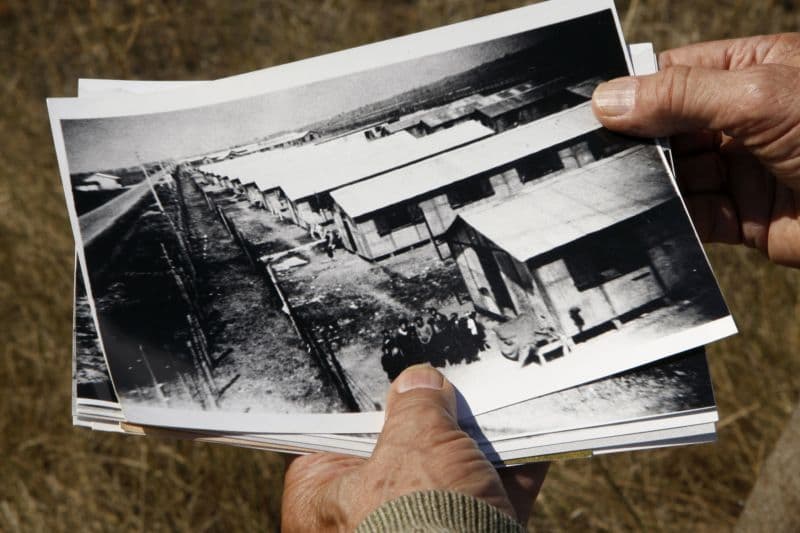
(733, 108)
(420, 448)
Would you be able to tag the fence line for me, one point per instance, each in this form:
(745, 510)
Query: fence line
(326, 360)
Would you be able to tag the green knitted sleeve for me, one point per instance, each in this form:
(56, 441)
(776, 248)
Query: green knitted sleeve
(440, 512)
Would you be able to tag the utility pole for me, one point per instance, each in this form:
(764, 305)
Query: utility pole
(156, 384)
(150, 183)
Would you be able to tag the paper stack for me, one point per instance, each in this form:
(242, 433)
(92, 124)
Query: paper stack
(259, 256)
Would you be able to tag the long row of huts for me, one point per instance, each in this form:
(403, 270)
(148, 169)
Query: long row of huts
(298, 183)
(508, 184)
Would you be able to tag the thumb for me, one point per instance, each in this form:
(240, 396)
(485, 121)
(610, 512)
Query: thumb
(681, 99)
(421, 446)
(420, 396)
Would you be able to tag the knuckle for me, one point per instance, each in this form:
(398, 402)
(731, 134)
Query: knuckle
(416, 410)
(743, 53)
(672, 93)
(762, 96)
(304, 462)
(306, 468)
(299, 465)
(760, 86)
(665, 59)
(414, 419)
(452, 440)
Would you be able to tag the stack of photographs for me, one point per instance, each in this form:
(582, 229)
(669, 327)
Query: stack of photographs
(258, 257)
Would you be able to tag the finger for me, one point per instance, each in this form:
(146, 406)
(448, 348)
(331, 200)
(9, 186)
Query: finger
(752, 191)
(695, 142)
(523, 483)
(714, 217)
(684, 99)
(419, 397)
(422, 447)
(421, 385)
(288, 459)
(783, 245)
(701, 173)
(732, 54)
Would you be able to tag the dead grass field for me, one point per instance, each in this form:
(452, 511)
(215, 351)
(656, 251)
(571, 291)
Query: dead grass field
(56, 478)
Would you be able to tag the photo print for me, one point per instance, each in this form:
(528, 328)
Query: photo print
(271, 261)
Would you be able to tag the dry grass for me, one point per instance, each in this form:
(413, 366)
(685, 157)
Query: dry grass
(54, 477)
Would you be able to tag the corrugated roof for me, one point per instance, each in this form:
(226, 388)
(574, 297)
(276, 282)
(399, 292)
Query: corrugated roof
(575, 203)
(283, 138)
(246, 168)
(522, 99)
(98, 175)
(453, 166)
(269, 170)
(436, 116)
(217, 167)
(452, 111)
(220, 155)
(246, 149)
(402, 124)
(456, 109)
(341, 167)
(224, 167)
(585, 88)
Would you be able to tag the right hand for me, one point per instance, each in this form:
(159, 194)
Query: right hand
(733, 108)
(420, 448)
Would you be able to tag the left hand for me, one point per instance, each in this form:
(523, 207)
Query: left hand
(420, 448)
(732, 109)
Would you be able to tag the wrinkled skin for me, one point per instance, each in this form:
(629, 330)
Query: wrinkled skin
(420, 448)
(733, 111)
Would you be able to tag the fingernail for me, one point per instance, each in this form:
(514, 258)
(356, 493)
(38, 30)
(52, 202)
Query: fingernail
(616, 97)
(419, 377)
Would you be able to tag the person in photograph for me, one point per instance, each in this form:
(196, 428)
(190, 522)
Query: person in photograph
(741, 187)
(330, 244)
(406, 339)
(336, 239)
(437, 346)
(435, 317)
(454, 345)
(331, 337)
(388, 342)
(476, 331)
(391, 356)
(425, 335)
(467, 341)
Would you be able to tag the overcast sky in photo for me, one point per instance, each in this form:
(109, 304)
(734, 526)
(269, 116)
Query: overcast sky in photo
(119, 142)
(108, 143)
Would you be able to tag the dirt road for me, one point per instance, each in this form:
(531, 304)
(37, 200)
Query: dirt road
(253, 338)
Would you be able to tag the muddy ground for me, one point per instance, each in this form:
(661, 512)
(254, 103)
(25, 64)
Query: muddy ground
(354, 301)
(258, 361)
(248, 334)
(91, 372)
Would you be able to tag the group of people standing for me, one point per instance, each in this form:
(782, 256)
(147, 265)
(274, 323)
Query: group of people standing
(433, 338)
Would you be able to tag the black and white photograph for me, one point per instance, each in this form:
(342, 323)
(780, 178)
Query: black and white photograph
(92, 381)
(253, 259)
(668, 395)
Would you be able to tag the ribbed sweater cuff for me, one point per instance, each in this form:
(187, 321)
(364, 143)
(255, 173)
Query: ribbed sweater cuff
(437, 511)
